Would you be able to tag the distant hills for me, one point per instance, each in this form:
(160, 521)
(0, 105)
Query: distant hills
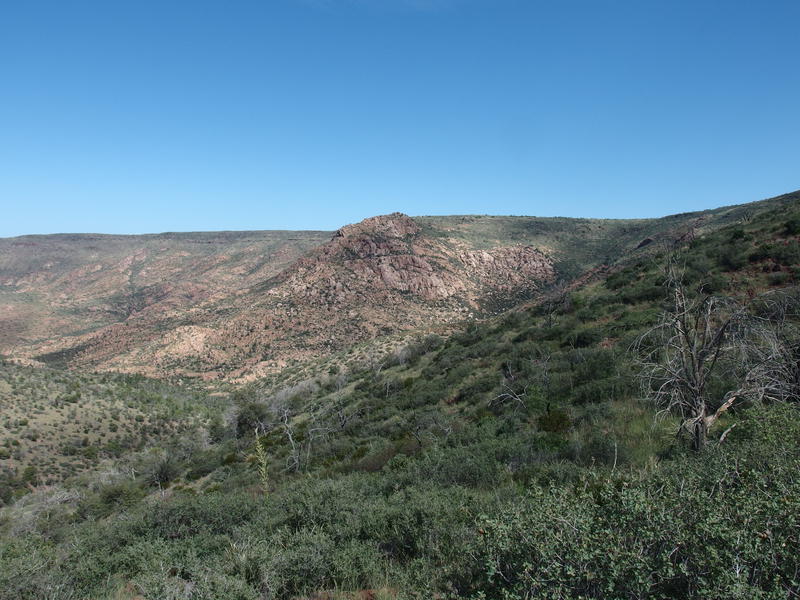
(238, 305)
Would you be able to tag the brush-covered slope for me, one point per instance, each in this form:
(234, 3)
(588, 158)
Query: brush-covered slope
(56, 424)
(512, 459)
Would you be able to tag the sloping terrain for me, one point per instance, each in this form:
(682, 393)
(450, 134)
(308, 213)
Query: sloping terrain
(57, 423)
(515, 457)
(185, 316)
(243, 305)
(56, 286)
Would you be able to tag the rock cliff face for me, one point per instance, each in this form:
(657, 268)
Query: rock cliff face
(390, 254)
(377, 255)
(507, 268)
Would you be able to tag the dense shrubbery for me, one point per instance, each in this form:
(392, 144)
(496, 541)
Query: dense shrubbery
(722, 525)
(511, 460)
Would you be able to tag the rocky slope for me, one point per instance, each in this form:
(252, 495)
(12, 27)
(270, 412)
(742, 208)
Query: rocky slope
(56, 289)
(377, 277)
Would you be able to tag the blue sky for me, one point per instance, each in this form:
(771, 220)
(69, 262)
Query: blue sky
(147, 116)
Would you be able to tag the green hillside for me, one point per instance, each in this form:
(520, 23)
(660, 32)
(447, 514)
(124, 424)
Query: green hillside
(56, 424)
(581, 244)
(519, 457)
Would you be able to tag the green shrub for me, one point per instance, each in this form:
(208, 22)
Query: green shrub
(583, 337)
(792, 226)
(555, 421)
(250, 414)
(779, 278)
(112, 498)
(657, 536)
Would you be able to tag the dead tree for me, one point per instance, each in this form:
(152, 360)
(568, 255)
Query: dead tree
(681, 354)
(510, 395)
(294, 456)
(301, 437)
(773, 359)
(702, 338)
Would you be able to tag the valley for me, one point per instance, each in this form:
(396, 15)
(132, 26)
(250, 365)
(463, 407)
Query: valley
(408, 407)
(242, 305)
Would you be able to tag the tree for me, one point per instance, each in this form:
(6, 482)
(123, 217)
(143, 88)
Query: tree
(773, 363)
(681, 356)
(707, 351)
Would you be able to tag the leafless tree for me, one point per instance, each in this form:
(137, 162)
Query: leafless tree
(555, 300)
(680, 355)
(433, 427)
(301, 447)
(340, 412)
(540, 361)
(295, 454)
(703, 338)
(772, 359)
(509, 395)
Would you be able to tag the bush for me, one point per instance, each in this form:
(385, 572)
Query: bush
(555, 421)
(583, 337)
(29, 571)
(112, 498)
(731, 256)
(656, 536)
(204, 462)
(792, 226)
(620, 279)
(250, 414)
(779, 278)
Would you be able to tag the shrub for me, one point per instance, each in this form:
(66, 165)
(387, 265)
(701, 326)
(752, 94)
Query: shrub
(792, 226)
(250, 414)
(583, 337)
(779, 278)
(112, 498)
(654, 536)
(555, 421)
(620, 279)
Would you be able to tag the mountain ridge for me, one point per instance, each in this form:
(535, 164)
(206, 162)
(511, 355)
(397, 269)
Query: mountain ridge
(246, 304)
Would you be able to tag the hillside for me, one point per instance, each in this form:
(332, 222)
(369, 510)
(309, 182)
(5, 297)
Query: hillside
(241, 305)
(515, 456)
(67, 286)
(57, 424)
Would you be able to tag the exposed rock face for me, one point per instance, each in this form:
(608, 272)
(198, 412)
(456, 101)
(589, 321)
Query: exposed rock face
(389, 254)
(379, 276)
(376, 255)
(395, 225)
(509, 267)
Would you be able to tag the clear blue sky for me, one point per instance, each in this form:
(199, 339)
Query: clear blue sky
(146, 116)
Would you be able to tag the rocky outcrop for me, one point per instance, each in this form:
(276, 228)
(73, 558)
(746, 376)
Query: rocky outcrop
(389, 254)
(510, 267)
(395, 225)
